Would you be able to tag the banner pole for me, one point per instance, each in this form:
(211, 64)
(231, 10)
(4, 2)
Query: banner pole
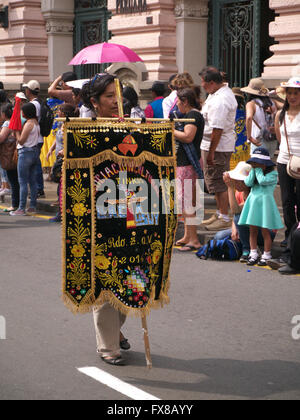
(147, 343)
(119, 98)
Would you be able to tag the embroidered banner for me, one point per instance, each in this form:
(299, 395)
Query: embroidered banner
(119, 216)
(242, 147)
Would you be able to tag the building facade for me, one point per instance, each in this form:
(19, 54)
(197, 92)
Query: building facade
(245, 38)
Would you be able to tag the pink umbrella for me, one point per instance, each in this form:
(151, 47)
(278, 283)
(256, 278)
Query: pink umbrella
(105, 53)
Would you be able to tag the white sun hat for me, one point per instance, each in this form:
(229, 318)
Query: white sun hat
(294, 82)
(241, 172)
(77, 83)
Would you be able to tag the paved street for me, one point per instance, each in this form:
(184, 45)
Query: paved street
(227, 333)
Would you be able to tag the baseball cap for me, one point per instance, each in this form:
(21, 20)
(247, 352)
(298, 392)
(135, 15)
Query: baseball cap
(32, 85)
(21, 95)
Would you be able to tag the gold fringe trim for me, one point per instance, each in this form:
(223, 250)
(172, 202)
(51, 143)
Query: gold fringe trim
(83, 163)
(89, 303)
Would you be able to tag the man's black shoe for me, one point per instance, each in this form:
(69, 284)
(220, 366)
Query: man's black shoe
(287, 270)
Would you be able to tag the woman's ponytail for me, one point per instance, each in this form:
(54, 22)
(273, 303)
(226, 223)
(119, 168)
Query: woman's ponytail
(284, 110)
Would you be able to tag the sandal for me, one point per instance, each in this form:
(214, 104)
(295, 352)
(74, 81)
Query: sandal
(115, 361)
(189, 248)
(180, 243)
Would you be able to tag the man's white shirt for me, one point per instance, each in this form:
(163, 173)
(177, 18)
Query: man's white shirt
(219, 111)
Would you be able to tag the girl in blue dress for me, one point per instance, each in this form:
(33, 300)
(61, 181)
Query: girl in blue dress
(260, 209)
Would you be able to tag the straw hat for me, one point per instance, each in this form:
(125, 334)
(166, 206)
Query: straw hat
(237, 92)
(294, 82)
(241, 172)
(279, 94)
(256, 87)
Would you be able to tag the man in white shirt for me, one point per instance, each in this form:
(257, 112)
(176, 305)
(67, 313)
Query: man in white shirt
(218, 144)
(170, 101)
(32, 90)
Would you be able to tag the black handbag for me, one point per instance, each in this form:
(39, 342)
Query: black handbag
(56, 172)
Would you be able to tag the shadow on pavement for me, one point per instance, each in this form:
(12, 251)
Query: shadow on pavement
(258, 379)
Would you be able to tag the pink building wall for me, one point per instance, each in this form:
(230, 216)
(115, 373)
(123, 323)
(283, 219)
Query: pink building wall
(29, 45)
(24, 51)
(156, 42)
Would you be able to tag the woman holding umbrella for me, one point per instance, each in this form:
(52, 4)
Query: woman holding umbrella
(100, 96)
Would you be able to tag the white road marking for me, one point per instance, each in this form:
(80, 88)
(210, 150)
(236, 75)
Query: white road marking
(116, 384)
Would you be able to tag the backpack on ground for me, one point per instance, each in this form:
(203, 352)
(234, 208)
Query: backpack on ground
(223, 249)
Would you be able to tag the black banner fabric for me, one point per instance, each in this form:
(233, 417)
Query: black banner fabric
(119, 216)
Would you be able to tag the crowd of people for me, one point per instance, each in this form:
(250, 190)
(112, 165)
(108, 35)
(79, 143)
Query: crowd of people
(246, 207)
(204, 147)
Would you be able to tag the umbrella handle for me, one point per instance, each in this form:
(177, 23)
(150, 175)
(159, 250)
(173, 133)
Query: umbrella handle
(119, 98)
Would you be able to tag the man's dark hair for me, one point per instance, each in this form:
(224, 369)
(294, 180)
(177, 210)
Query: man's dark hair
(69, 76)
(76, 91)
(211, 74)
(1, 85)
(68, 110)
(158, 88)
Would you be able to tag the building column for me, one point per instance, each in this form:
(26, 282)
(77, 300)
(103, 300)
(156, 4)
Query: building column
(192, 25)
(285, 62)
(59, 17)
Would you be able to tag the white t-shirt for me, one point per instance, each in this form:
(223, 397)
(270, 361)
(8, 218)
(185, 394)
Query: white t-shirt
(219, 111)
(293, 132)
(169, 102)
(86, 112)
(37, 105)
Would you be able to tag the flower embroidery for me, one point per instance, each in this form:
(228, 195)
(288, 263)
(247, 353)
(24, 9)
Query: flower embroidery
(79, 210)
(102, 262)
(78, 251)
